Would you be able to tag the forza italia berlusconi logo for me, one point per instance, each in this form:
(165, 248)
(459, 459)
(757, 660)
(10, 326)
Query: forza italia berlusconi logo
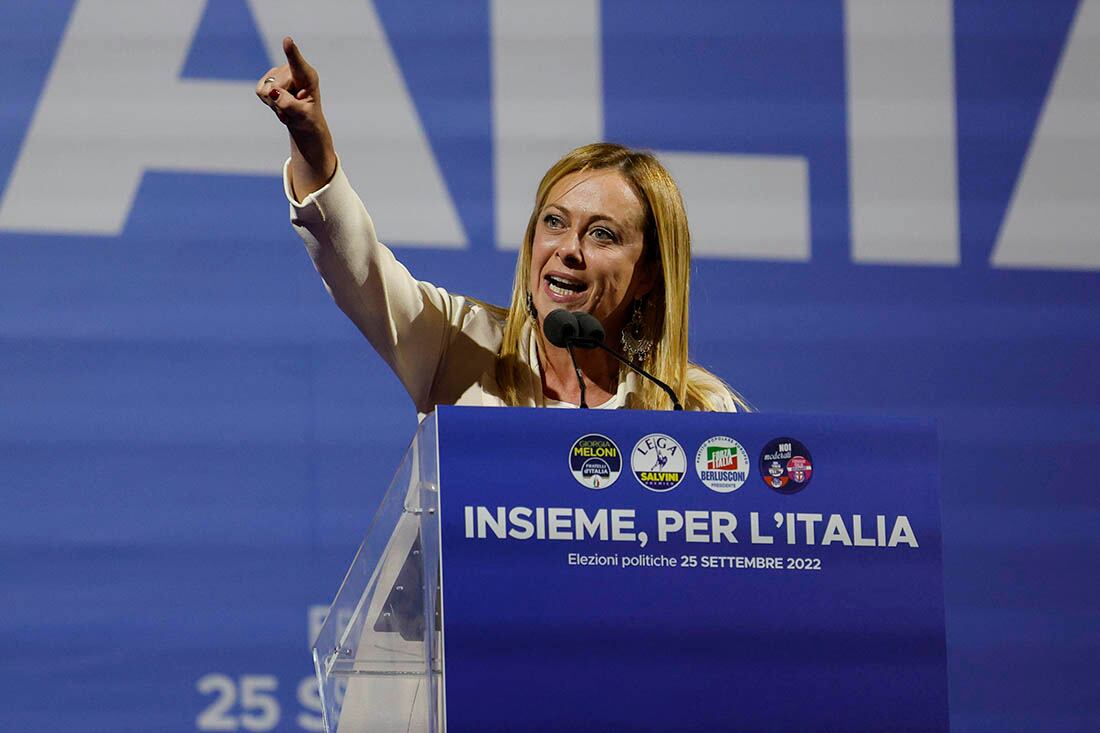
(658, 462)
(722, 464)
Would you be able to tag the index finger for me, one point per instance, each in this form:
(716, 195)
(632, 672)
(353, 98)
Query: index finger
(298, 65)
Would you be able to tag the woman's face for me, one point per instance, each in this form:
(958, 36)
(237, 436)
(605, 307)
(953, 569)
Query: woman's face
(588, 252)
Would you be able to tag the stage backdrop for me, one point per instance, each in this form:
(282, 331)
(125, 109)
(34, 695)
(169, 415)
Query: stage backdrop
(896, 209)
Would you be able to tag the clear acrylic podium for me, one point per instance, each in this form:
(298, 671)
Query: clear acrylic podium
(378, 653)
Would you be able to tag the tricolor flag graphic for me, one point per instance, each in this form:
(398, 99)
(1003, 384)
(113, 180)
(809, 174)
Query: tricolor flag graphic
(721, 458)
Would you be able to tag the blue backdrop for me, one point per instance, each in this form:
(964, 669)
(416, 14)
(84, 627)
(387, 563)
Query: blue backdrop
(193, 438)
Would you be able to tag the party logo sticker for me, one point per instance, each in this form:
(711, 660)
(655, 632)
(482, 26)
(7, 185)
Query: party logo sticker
(658, 462)
(722, 464)
(595, 461)
(786, 465)
(799, 469)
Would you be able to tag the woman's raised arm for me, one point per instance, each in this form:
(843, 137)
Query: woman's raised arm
(292, 91)
(409, 323)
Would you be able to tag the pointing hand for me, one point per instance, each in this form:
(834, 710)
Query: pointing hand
(292, 91)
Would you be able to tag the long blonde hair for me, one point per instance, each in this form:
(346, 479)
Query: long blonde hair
(668, 243)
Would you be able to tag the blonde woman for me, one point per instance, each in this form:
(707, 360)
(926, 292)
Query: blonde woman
(608, 235)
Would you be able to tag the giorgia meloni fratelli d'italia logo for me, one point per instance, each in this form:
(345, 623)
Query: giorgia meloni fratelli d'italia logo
(658, 462)
(595, 461)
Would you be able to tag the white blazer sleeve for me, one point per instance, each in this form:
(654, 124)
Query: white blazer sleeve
(407, 321)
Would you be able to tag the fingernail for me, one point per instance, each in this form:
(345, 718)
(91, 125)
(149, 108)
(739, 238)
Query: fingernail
(273, 94)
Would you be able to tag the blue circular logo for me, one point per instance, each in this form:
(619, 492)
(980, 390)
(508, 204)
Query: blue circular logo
(595, 461)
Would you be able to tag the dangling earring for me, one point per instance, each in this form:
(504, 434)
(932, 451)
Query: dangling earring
(531, 307)
(636, 345)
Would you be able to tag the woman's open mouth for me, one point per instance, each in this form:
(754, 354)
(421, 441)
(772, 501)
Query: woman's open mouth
(564, 288)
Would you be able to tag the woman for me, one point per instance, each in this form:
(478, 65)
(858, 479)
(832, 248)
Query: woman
(608, 236)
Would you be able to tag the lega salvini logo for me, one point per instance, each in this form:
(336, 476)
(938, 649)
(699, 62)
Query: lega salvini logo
(595, 461)
(658, 462)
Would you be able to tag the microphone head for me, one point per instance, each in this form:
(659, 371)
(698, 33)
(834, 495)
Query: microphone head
(560, 326)
(590, 328)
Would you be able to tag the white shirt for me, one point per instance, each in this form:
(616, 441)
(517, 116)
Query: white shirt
(443, 347)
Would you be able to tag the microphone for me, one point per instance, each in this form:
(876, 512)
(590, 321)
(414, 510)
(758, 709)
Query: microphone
(585, 331)
(589, 329)
(562, 329)
(561, 326)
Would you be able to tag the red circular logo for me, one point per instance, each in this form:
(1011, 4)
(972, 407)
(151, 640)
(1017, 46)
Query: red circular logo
(799, 469)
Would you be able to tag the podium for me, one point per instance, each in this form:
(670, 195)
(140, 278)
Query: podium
(540, 569)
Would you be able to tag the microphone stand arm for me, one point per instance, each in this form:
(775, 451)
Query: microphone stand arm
(591, 343)
(577, 369)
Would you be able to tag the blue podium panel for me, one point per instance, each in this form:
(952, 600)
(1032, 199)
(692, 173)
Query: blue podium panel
(689, 571)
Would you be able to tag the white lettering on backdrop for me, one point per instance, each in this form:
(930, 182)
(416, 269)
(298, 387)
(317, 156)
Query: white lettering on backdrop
(901, 132)
(548, 98)
(114, 107)
(1053, 220)
(82, 159)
